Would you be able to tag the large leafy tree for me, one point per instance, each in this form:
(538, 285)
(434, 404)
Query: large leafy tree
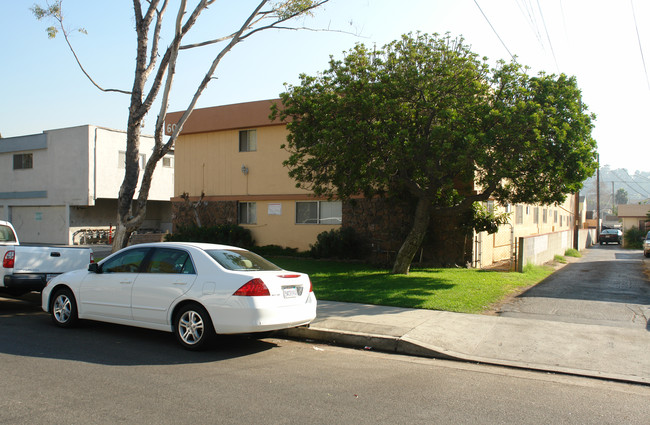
(425, 116)
(154, 74)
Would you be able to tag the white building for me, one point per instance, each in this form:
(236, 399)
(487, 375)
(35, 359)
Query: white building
(55, 184)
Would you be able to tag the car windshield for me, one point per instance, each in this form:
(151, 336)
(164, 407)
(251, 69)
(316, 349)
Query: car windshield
(240, 260)
(607, 231)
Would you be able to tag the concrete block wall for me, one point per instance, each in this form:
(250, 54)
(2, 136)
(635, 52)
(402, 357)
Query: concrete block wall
(540, 249)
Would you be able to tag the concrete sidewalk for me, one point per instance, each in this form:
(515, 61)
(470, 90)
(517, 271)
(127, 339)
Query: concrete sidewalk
(599, 351)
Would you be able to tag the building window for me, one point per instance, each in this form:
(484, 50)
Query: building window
(121, 160)
(23, 161)
(319, 212)
(536, 215)
(248, 141)
(167, 162)
(247, 213)
(519, 214)
(490, 206)
(545, 215)
(554, 216)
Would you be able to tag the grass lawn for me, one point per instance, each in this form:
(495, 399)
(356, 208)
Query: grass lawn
(459, 290)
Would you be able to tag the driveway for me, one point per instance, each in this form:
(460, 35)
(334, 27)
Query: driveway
(607, 286)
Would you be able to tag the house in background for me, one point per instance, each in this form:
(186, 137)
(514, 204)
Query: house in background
(228, 169)
(634, 215)
(63, 184)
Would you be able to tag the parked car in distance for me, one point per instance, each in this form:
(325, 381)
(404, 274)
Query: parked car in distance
(610, 235)
(194, 290)
(646, 245)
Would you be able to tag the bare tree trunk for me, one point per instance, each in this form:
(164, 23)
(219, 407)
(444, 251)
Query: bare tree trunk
(120, 238)
(414, 239)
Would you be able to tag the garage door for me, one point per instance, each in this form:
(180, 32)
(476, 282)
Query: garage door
(40, 224)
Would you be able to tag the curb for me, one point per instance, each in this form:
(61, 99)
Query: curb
(399, 345)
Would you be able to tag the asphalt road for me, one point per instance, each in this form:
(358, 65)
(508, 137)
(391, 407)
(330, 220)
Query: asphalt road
(607, 286)
(108, 374)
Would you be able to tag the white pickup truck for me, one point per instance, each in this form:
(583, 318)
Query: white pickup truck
(29, 268)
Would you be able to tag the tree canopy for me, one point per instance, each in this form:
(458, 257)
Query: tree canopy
(425, 116)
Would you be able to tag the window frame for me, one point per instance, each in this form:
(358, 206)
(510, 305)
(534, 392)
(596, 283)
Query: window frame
(249, 144)
(519, 214)
(247, 205)
(122, 255)
(25, 161)
(167, 252)
(121, 160)
(319, 219)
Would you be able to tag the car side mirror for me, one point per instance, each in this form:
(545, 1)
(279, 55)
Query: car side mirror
(94, 267)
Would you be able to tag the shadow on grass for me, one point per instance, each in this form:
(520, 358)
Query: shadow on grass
(379, 288)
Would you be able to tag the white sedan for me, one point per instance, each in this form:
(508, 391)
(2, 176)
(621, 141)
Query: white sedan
(194, 290)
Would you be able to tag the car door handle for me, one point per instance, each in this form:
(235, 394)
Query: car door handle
(180, 283)
(126, 282)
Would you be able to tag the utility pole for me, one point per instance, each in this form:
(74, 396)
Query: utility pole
(598, 196)
(577, 218)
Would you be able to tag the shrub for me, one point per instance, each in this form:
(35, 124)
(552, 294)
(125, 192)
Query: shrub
(572, 252)
(559, 259)
(634, 238)
(343, 243)
(277, 251)
(227, 234)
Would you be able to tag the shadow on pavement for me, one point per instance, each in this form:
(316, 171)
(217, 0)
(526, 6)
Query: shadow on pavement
(26, 330)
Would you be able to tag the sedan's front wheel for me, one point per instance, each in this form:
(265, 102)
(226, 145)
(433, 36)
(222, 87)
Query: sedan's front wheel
(64, 308)
(193, 327)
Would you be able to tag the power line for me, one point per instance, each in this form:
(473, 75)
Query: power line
(638, 37)
(548, 37)
(495, 31)
(526, 10)
(630, 186)
(637, 183)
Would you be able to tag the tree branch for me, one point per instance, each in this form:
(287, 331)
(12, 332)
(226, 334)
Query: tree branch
(59, 19)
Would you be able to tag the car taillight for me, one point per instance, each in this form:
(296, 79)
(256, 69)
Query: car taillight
(8, 260)
(253, 288)
(92, 257)
(311, 287)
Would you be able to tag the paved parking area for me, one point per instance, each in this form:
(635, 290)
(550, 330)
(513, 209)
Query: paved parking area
(607, 286)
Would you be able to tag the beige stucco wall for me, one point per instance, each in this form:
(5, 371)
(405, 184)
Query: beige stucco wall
(281, 229)
(493, 248)
(211, 163)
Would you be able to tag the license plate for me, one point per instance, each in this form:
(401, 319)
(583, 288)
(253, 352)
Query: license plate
(290, 291)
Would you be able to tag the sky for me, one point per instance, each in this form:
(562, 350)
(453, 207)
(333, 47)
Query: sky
(605, 44)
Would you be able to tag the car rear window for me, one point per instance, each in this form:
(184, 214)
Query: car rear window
(240, 260)
(6, 235)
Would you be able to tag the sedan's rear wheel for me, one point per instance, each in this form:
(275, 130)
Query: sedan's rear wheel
(193, 327)
(63, 309)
